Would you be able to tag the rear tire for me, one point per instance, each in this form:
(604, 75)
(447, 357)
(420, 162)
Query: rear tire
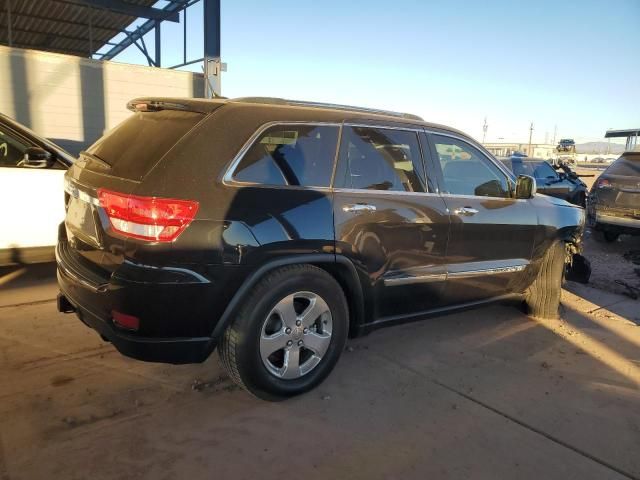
(542, 298)
(279, 314)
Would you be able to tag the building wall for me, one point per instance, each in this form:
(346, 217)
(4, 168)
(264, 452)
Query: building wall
(539, 150)
(73, 100)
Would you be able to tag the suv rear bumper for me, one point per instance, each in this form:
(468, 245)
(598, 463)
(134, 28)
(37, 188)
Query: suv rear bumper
(165, 350)
(94, 297)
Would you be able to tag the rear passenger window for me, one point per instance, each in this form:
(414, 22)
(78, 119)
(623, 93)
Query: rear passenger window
(380, 159)
(467, 171)
(290, 155)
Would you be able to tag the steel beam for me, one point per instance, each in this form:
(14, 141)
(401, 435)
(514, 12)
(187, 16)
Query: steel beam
(145, 28)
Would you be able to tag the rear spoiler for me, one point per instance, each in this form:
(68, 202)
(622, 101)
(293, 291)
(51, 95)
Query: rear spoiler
(184, 105)
(155, 106)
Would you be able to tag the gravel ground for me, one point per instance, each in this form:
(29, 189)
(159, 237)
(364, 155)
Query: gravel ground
(609, 264)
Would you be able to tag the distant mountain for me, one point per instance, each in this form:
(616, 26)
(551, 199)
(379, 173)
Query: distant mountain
(599, 147)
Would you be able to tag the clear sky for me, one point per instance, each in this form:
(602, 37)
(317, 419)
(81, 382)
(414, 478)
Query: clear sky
(570, 63)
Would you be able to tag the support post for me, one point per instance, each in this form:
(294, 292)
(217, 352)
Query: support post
(158, 55)
(184, 36)
(212, 65)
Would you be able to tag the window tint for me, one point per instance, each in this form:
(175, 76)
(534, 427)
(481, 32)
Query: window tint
(380, 159)
(290, 155)
(467, 171)
(538, 170)
(11, 149)
(139, 142)
(626, 167)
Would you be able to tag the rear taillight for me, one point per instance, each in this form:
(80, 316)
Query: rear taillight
(604, 183)
(147, 218)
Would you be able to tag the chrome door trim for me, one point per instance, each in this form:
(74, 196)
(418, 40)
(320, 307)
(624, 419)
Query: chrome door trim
(409, 128)
(504, 199)
(410, 280)
(383, 192)
(446, 272)
(486, 271)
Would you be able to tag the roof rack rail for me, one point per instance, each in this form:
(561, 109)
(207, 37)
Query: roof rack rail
(333, 106)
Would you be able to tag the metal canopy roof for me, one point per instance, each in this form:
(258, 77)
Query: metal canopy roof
(632, 132)
(79, 27)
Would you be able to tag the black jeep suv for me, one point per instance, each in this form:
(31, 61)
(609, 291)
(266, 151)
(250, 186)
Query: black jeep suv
(275, 229)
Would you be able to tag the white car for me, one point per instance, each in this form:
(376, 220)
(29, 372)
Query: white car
(32, 192)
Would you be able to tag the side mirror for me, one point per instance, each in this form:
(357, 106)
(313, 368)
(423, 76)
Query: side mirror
(525, 187)
(36, 157)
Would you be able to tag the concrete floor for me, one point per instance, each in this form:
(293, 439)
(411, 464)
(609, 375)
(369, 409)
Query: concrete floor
(484, 394)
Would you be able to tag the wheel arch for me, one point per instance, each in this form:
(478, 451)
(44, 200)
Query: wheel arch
(338, 266)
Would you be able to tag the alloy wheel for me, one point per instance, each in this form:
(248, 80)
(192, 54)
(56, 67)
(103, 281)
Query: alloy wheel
(296, 335)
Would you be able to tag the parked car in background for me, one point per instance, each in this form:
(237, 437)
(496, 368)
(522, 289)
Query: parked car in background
(32, 193)
(614, 200)
(273, 229)
(566, 145)
(559, 183)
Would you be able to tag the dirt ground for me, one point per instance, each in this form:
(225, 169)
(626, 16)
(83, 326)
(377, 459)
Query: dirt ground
(484, 394)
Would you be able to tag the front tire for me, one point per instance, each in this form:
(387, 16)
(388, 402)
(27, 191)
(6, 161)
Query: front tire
(288, 335)
(542, 298)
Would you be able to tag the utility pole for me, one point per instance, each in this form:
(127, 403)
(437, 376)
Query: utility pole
(555, 133)
(530, 135)
(485, 127)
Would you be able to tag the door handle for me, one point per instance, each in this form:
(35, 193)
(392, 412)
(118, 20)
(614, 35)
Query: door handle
(465, 211)
(359, 207)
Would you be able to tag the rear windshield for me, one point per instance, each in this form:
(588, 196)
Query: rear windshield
(135, 146)
(625, 166)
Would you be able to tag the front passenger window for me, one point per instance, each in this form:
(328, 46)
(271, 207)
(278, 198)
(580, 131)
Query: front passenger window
(467, 171)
